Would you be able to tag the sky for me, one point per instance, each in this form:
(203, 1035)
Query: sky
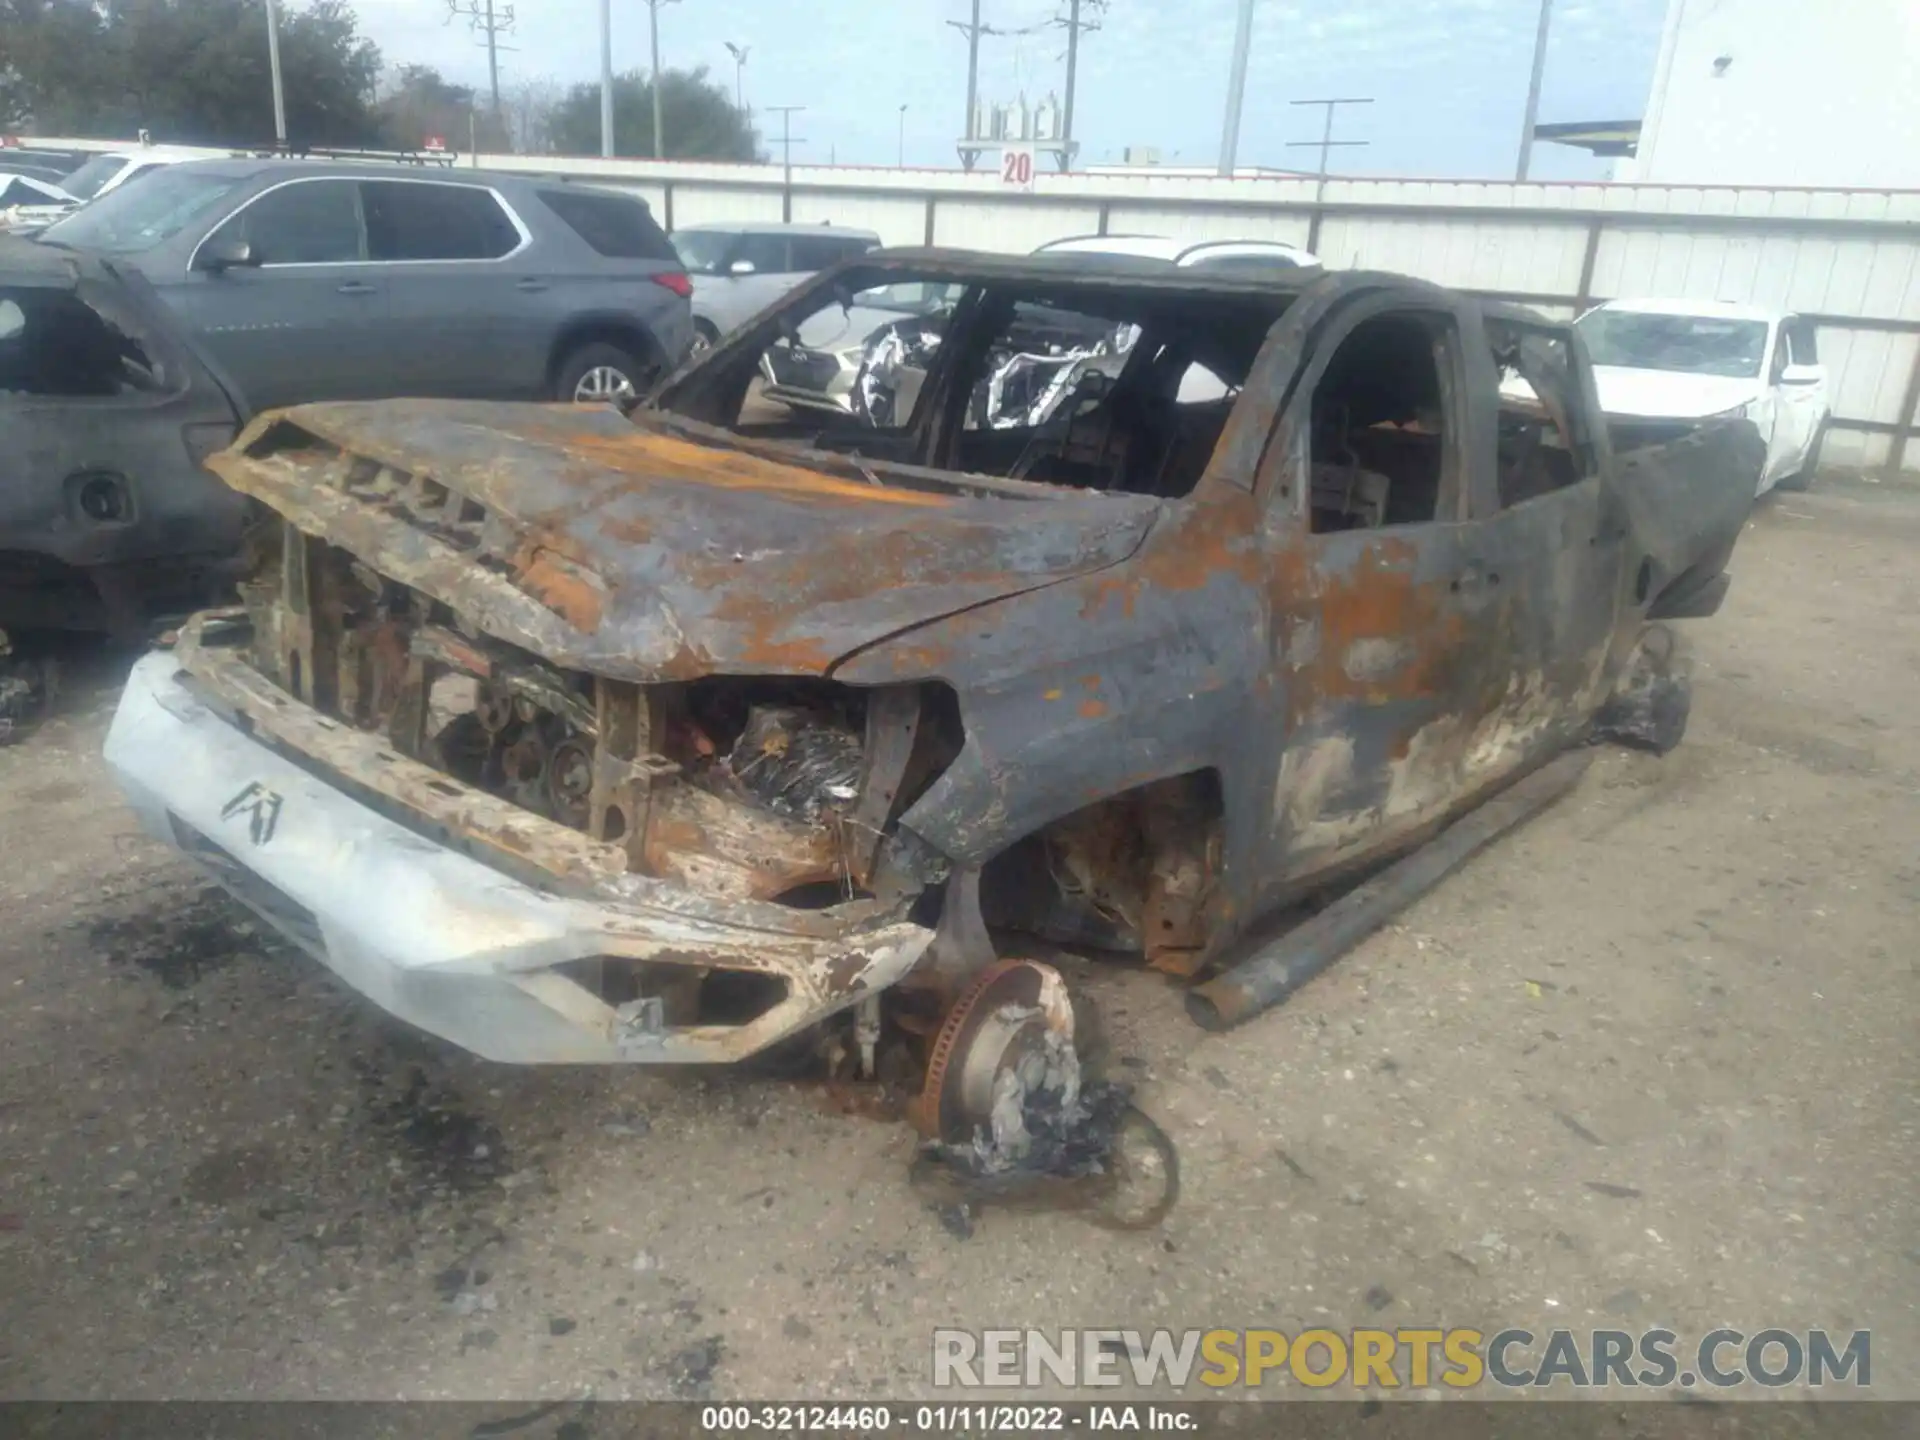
(1448, 77)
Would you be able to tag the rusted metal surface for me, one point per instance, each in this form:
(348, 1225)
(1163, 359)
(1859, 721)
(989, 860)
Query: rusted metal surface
(1271, 974)
(780, 673)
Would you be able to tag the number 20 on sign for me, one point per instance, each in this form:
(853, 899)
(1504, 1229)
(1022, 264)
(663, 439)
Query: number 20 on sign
(1016, 167)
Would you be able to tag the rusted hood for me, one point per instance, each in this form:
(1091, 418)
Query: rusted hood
(640, 554)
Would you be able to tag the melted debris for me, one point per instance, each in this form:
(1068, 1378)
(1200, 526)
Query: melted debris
(1057, 1139)
(797, 762)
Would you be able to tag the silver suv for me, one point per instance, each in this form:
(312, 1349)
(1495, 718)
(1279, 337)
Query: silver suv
(312, 280)
(739, 270)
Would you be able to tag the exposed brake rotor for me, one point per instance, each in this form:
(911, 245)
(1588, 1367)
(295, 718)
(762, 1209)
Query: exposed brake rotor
(1011, 1117)
(1016, 1013)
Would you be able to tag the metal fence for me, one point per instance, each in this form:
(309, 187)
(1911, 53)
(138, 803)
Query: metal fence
(1848, 259)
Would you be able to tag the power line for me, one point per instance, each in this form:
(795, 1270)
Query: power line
(484, 19)
(1326, 141)
(787, 141)
(1074, 25)
(973, 30)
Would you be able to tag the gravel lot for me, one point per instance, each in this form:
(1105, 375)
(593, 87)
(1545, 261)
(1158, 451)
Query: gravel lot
(1652, 1060)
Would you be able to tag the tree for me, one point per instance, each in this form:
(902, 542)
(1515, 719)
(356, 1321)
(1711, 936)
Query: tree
(419, 101)
(700, 118)
(528, 106)
(189, 71)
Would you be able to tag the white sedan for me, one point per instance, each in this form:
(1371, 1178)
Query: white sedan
(1691, 360)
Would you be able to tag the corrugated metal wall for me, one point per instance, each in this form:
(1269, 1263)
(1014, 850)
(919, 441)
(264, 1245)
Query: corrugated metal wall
(1849, 258)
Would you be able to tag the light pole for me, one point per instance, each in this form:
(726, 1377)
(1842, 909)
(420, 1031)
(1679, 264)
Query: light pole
(739, 53)
(653, 26)
(1533, 90)
(903, 137)
(1236, 87)
(606, 78)
(273, 64)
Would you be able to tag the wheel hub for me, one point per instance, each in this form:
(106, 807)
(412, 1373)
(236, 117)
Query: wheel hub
(603, 384)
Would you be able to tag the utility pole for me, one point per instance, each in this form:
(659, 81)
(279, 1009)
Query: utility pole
(787, 141)
(606, 79)
(1073, 25)
(1533, 90)
(482, 19)
(739, 53)
(1326, 142)
(653, 25)
(273, 64)
(1236, 88)
(903, 137)
(973, 30)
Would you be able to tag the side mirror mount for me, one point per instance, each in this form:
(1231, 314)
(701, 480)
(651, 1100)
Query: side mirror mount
(217, 257)
(741, 267)
(1803, 375)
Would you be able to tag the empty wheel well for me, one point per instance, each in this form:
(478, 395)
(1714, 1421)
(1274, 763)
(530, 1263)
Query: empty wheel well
(1136, 873)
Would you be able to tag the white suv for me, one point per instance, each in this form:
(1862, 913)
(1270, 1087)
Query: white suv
(1246, 257)
(103, 174)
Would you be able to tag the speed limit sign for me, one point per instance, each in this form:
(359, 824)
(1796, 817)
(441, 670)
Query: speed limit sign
(1017, 167)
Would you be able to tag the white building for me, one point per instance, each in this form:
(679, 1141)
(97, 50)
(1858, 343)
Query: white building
(1784, 92)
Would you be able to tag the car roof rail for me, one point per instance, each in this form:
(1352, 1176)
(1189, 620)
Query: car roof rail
(283, 150)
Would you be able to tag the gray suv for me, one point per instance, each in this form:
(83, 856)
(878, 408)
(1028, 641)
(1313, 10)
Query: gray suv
(313, 280)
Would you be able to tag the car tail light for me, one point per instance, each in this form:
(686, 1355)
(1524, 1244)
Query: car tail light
(676, 281)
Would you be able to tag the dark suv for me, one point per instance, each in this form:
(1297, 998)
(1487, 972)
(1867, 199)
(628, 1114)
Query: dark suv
(313, 280)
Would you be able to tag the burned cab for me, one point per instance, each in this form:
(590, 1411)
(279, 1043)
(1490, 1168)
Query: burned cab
(1124, 608)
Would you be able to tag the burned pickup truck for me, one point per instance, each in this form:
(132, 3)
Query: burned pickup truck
(725, 726)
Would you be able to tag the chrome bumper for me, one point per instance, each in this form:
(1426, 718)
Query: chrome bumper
(440, 939)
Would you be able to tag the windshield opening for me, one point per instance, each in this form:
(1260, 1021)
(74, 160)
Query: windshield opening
(701, 251)
(85, 183)
(1095, 387)
(1690, 344)
(137, 217)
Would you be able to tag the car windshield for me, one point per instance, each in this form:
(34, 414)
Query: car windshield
(140, 216)
(85, 183)
(1693, 344)
(701, 251)
(910, 297)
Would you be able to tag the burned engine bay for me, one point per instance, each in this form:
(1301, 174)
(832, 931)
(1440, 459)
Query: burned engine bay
(774, 789)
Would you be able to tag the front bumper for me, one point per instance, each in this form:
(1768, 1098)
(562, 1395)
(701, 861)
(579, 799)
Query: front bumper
(438, 938)
(810, 379)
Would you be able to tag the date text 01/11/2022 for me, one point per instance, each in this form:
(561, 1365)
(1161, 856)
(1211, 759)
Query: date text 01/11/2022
(944, 1419)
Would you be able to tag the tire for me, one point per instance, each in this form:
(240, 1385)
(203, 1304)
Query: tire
(705, 337)
(1803, 477)
(603, 372)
